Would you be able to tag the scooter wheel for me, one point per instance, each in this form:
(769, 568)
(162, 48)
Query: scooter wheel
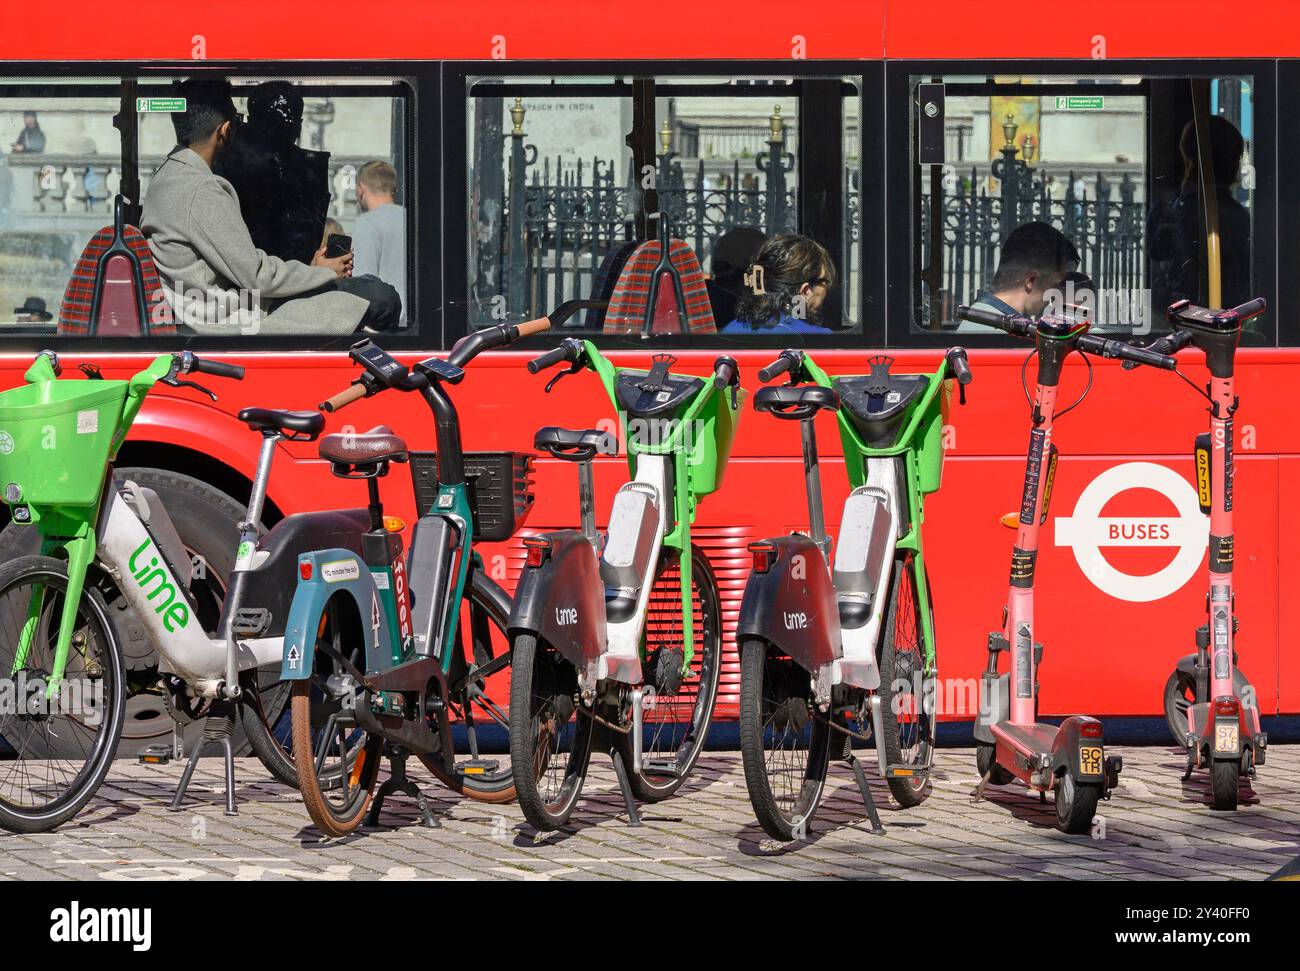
(1179, 691)
(1076, 804)
(1224, 775)
(986, 758)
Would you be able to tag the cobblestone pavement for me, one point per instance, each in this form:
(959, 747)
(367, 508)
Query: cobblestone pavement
(1155, 826)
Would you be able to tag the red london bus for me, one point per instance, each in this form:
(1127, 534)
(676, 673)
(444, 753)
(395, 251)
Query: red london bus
(531, 142)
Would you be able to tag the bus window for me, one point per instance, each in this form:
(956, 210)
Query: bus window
(1018, 180)
(311, 157)
(60, 164)
(568, 176)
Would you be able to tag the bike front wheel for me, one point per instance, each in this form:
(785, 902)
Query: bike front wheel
(57, 742)
(906, 711)
(676, 716)
(784, 744)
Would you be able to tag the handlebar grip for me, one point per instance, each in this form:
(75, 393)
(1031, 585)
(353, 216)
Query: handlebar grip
(1091, 344)
(549, 359)
(217, 369)
(724, 370)
(345, 397)
(530, 327)
(778, 367)
(1251, 308)
(978, 315)
(960, 365)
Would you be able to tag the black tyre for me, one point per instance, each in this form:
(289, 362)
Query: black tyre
(1224, 777)
(206, 520)
(55, 751)
(909, 727)
(337, 762)
(784, 744)
(1076, 804)
(1180, 694)
(986, 759)
(676, 719)
(550, 740)
(478, 677)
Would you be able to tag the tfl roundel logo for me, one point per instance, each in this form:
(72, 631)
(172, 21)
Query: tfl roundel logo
(1088, 532)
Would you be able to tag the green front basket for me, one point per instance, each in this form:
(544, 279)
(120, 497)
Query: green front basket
(55, 438)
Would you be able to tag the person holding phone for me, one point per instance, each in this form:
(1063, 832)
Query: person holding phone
(216, 279)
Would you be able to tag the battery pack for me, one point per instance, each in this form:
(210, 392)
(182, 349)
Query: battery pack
(865, 543)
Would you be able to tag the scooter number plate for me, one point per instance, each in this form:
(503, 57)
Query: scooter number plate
(1225, 738)
(1090, 759)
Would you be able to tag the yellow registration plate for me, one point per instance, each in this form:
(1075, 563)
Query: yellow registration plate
(1090, 759)
(1225, 738)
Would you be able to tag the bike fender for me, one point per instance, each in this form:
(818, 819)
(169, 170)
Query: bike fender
(792, 606)
(335, 572)
(1065, 749)
(562, 602)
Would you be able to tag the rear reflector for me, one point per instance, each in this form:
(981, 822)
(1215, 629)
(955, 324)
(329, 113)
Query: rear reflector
(1227, 706)
(304, 569)
(1091, 730)
(764, 556)
(537, 548)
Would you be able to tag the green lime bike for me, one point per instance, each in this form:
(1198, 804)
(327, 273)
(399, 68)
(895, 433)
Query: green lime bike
(838, 649)
(622, 632)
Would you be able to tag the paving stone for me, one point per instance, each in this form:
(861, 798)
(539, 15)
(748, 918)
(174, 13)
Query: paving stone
(1155, 826)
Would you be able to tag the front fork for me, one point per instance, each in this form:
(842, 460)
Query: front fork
(80, 551)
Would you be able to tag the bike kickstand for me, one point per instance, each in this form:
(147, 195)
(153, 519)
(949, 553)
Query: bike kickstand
(625, 786)
(219, 733)
(398, 781)
(876, 828)
(978, 794)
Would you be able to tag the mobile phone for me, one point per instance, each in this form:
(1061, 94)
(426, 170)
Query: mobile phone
(337, 245)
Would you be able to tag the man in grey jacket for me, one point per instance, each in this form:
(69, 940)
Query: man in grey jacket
(217, 281)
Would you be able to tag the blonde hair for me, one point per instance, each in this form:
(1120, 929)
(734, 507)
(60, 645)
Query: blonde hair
(378, 176)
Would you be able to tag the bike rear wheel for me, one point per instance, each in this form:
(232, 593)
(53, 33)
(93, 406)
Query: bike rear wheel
(337, 761)
(550, 739)
(676, 719)
(61, 747)
(909, 726)
(784, 745)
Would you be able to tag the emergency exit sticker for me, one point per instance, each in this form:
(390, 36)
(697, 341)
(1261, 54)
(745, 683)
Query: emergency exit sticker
(1080, 102)
(160, 104)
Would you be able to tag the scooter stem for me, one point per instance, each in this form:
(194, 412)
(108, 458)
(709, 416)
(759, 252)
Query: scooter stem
(1223, 403)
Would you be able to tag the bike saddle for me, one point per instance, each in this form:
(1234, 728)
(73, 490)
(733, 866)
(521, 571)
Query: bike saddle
(795, 403)
(373, 448)
(574, 446)
(304, 424)
(878, 401)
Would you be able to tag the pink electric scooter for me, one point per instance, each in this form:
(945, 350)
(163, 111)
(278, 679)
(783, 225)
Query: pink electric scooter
(1011, 743)
(1209, 704)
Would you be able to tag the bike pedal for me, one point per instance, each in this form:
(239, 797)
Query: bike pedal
(251, 621)
(477, 766)
(156, 755)
(661, 767)
(905, 772)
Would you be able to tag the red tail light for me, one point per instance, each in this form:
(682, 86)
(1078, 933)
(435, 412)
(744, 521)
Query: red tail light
(1227, 706)
(537, 548)
(764, 556)
(304, 569)
(1091, 730)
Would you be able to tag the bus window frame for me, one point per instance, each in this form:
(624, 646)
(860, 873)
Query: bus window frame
(422, 80)
(899, 166)
(867, 75)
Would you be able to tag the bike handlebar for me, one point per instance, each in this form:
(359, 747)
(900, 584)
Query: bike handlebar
(781, 365)
(217, 369)
(724, 372)
(552, 357)
(1015, 324)
(353, 392)
(960, 365)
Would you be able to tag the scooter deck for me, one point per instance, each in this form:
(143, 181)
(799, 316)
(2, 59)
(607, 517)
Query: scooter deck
(1032, 741)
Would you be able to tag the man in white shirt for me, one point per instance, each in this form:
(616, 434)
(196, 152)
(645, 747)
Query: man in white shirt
(379, 233)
